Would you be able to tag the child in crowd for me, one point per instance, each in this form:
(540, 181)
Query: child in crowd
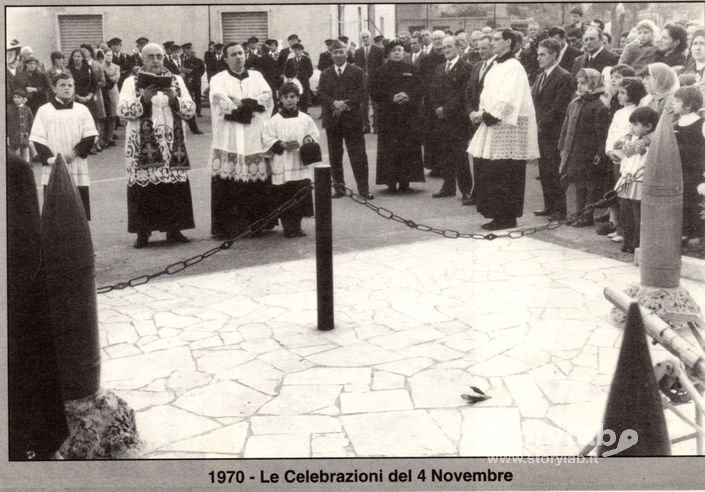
(19, 124)
(582, 142)
(634, 148)
(284, 135)
(690, 134)
(65, 127)
(629, 92)
(642, 51)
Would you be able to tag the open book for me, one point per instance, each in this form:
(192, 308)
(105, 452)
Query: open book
(160, 82)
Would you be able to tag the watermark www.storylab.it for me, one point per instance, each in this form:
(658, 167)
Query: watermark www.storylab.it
(606, 438)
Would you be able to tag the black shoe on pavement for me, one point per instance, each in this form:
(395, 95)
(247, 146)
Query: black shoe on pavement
(543, 213)
(604, 229)
(176, 237)
(367, 196)
(556, 216)
(443, 194)
(496, 225)
(338, 194)
(142, 240)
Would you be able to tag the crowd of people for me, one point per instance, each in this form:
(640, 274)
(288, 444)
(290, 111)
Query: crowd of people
(471, 108)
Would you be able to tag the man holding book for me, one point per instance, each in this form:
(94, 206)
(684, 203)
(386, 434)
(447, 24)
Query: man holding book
(155, 104)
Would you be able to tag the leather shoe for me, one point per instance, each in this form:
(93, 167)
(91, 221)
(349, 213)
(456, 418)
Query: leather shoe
(176, 237)
(496, 225)
(338, 194)
(582, 223)
(367, 196)
(141, 241)
(555, 216)
(443, 194)
(197, 132)
(543, 213)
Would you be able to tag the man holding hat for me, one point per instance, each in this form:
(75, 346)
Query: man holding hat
(341, 90)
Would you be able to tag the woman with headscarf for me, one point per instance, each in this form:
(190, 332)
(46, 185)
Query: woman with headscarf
(506, 137)
(661, 83)
(84, 84)
(582, 142)
(396, 88)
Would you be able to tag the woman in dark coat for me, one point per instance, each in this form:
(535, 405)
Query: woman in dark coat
(396, 88)
(672, 46)
(84, 83)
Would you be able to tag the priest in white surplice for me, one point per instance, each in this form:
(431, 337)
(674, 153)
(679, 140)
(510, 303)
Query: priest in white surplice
(241, 103)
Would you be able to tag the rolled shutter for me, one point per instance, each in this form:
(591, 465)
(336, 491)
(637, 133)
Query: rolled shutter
(75, 30)
(240, 26)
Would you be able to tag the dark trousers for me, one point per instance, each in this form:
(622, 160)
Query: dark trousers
(553, 194)
(196, 96)
(355, 143)
(455, 166)
(193, 124)
(630, 220)
(585, 192)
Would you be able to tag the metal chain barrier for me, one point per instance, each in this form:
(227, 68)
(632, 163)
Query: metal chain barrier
(515, 234)
(179, 266)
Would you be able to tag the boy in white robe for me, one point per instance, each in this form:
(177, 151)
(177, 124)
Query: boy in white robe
(65, 127)
(284, 135)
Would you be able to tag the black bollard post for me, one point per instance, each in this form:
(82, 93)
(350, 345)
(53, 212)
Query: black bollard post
(324, 247)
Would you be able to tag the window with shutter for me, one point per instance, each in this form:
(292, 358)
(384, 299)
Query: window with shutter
(240, 26)
(75, 30)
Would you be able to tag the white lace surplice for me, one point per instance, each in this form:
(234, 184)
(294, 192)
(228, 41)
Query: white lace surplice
(507, 96)
(237, 151)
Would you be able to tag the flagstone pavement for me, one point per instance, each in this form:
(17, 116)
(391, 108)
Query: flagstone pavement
(230, 364)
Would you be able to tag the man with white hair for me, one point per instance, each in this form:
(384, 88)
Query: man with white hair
(369, 58)
(155, 104)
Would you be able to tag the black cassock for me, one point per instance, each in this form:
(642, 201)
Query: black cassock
(399, 157)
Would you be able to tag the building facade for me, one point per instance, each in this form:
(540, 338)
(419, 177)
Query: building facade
(47, 29)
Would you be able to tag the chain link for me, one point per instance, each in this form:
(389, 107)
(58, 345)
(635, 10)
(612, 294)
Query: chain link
(515, 234)
(179, 266)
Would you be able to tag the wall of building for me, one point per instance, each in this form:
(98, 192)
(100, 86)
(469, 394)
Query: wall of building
(38, 26)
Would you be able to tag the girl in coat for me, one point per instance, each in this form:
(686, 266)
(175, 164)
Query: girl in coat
(284, 135)
(582, 142)
(690, 134)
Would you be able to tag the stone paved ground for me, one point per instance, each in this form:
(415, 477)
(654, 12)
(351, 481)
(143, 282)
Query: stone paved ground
(231, 364)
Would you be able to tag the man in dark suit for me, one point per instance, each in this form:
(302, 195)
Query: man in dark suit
(416, 51)
(427, 67)
(595, 56)
(551, 93)
(193, 70)
(252, 56)
(215, 63)
(568, 54)
(449, 121)
(324, 59)
(475, 86)
(369, 58)
(172, 61)
(267, 65)
(340, 91)
(284, 53)
(136, 60)
(301, 67)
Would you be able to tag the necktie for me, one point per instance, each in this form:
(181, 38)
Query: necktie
(483, 69)
(340, 71)
(448, 67)
(542, 79)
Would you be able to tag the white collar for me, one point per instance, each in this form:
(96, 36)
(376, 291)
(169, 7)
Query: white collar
(342, 67)
(687, 119)
(550, 69)
(592, 57)
(563, 50)
(452, 62)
